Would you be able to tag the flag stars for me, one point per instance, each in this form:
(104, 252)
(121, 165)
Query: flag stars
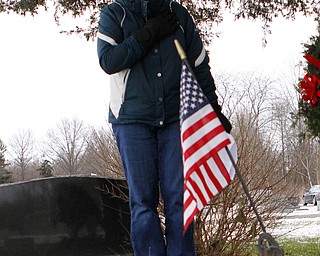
(192, 97)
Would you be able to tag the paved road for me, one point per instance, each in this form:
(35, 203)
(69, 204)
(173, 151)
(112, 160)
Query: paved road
(309, 211)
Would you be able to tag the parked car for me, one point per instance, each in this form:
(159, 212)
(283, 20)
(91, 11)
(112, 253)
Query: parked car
(310, 196)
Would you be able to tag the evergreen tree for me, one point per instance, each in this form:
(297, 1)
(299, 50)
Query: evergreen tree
(311, 113)
(5, 175)
(205, 13)
(46, 169)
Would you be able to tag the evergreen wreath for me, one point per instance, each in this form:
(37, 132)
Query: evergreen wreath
(309, 87)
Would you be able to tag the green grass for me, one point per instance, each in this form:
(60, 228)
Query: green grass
(295, 247)
(301, 247)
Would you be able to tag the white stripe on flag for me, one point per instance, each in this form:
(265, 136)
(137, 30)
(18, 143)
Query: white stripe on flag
(190, 210)
(205, 110)
(186, 195)
(195, 195)
(214, 123)
(209, 182)
(194, 158)
(225, 157)
(195, 177)
(217, 173)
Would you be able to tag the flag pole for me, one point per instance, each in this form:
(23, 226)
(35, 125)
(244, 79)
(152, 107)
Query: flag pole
(245, 188)
(183, 56)
(265, 239)
(273, 248)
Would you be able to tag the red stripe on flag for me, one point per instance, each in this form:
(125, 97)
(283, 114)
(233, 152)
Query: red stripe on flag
(189, 219)
(203, 159)
(188, 201)
(201, 143)
(197, 125)
(197, 190)
(204, 140)
(208, 171)
(213, 178)
(222, 167)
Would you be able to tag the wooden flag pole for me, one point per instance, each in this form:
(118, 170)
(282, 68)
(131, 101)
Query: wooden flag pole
(266, 244)
(180, 50)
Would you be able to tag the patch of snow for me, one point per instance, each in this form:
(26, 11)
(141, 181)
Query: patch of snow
(302, 223)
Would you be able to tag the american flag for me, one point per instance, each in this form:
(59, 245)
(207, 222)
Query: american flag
(207, 166)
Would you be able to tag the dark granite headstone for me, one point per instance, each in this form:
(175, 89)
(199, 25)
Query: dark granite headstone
(65, 216)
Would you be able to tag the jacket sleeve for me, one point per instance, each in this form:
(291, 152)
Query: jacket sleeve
(199, 61)
(115, 52)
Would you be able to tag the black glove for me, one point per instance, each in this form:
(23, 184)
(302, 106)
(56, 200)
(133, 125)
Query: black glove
(156, 29)
(225, 122)
(223, 119)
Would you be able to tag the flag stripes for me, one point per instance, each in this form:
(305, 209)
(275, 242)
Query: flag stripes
(207, 167)
(207, 139)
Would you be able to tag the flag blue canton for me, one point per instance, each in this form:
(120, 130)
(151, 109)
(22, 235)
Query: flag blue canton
(191, 96)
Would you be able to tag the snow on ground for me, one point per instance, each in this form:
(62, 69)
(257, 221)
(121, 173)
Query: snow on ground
(302, 223)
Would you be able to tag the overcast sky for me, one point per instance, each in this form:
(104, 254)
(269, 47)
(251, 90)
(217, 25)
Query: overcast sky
(46, 76)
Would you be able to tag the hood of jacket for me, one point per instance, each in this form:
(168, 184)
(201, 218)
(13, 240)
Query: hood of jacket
(147, 8)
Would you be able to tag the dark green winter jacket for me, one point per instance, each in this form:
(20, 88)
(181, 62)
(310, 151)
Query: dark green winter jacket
(145, 86)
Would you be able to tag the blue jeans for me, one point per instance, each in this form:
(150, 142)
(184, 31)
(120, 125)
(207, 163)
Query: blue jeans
(152, 162)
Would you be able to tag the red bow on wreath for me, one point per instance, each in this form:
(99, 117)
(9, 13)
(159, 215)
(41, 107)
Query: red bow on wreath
(310, 91)
(310, 84)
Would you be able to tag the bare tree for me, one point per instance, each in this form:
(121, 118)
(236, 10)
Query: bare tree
(65, 146)
(229, 215)
(299, 150)
(252, 93)
(102, 154)
(22, 146)
(228, 223)
(305, 155)
(102, 158)
(273, 105)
